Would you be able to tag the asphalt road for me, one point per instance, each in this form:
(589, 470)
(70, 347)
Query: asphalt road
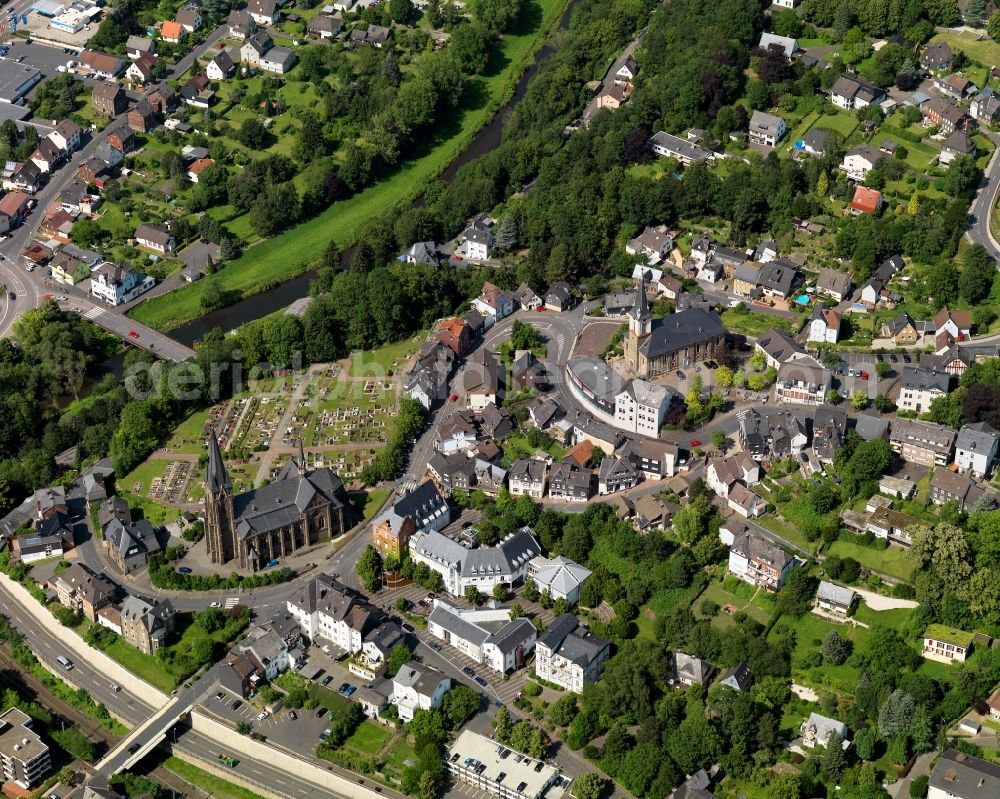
(982, 206)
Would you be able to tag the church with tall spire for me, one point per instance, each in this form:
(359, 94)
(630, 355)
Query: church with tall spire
(297, 509)
(653, 347)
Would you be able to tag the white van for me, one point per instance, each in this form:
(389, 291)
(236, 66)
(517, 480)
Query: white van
(65, 662)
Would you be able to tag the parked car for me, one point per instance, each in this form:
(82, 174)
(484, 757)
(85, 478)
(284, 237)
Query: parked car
(320, 711)
(482, 682)
(236, 705)
(350, 690)
(220, 696)
(292, 715)
(343, 687)
(435, 646)
(184, 569)
(262, 715)
(327, 679)
(468, 672)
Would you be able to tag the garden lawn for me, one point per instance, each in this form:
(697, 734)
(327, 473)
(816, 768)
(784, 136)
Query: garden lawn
(918, 156)
(369, 738)
(840, 122)
(290, 253)
(145, 667)
(209, 783)
(892, 561)
(753, 323)
(387, 358)
(397, 756)
(716, 591)
(157, 514)
(810, 630)
(985, 50)
(897, 619)
(515, 447)
(368, 502)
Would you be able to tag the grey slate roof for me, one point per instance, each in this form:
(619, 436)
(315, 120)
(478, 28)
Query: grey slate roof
(964, 777)
(562, 638)
(978, 437)
(681, 330)
(925, 379)
(836, 594)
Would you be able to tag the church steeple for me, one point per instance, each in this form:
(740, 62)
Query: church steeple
(216, 477)
(640, 321)
(302, 459)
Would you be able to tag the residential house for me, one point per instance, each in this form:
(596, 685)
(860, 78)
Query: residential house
(954, 360)
(477, 243)
(920, 387)
(985, 107)
(418, 687)
(117, 285)
(108, 99)
(264, 12)
(324, 26)
(146, 626)
(955, 87)
(922, 442)
(481, 380)
(745, 502)
(898, 487)
(141, 117)
(560, 576)
(652, 244)
(493, 303)
(421, 509)
(814, 141)
(976, 448)
(277, 60)
(172, 32)
(786, 44)
(802, 381)
(189, 17)
(254, 47)
(758, 561)
(835, 598)
(946, 116)
(427, 381)
(849, 92)
(101, 65)
(325, 609)
(778, 348)
(616, 474)
(559, 298)
(528, 476)
(948, 486)
(641, 407)
(656, 459)
(817, 729)
(488, 636)
(901, 328)
(958, 324)
(141, 69)
(866, 201)
(689, 670)
(890, 524)
(13, 208)
(860, 160)
(739, 678)
(568, 481)
(268, 648)
(130, 543)
(626, 70)
(723, 474)
(526, 297)
(833, 283)
(946, 644)
(766, 129)
(957, 775)
(58, 225)
(682, 150)
(787, 434)
(221, 67)
(46, 155)
(829, 432)
(824, 327)
(482, 568)
(755, 434)
(82, 590)
(66, 136)
(241, 24)
(135, 46)
(25, 761)
(653, 514)
(195, 168)
(123, 139)
(569, 655)
(156, 238)
(958, 143)
(936, 56)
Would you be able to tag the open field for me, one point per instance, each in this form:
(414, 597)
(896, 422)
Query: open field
(369, 738)
(290, 253)
(893, 561)
(985, 51)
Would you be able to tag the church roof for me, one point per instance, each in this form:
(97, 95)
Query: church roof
(282, 503)
(216, 476)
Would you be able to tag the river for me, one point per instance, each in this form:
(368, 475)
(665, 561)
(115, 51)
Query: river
(283, 295)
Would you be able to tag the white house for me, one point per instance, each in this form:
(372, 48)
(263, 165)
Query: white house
(802, 382)
(817, 729)
(642, 407)
(835, 598)
(527, 476)
(418, 687)
(824, 327)
(264, 12)
(66, 136)
(487, 635)
(268, 647)
(860, 160)
(323, 608)
(482, 568)
(758, 561)
(569, 655)
(724, 473)
(976, 448)
(117, 285)
(493, 303)
(651, 244)
(766, 129)
(155, 238)
(560, 576)
(477, 243)
(920, 387)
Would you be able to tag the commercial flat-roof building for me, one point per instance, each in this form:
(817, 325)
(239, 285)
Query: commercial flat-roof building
(483, 763)
(24, 758)
(16, 80)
